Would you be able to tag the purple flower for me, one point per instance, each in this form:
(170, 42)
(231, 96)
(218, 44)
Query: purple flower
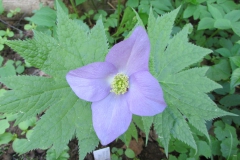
(119, 87)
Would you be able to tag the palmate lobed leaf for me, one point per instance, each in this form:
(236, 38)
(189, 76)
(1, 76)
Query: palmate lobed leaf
(31, 95)
(56, 125)
(184, 89)
(66, 115)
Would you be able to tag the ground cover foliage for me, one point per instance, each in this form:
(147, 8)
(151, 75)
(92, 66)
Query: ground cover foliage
(195, 56)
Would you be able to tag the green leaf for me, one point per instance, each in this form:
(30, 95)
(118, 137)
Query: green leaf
(8, 69)
(236, 119)
(188, 12)
(11, 117)
(216, 14)
(80, 2)
(159, 35)
(200, 125)
(51, 154)
(61, 4)
(38, 56)
(2, 33)
(204, 149)
(28, 123)
(138, 121)
(162, 7)
(176, 131)
(16, 145)
(3, 125)
(144, 7)
(235, 50)
(114, 157)
(147, 123)
(233, 16)
(79, 47)
(9, 15)
(164, 129)
(138, 19)
(184, 89)
(224, 52)
(166, 67)
(206, 23)
(129, 153)
(215, 146)
(223, 130)
(171, 157)
(85, 133)
(226, 43)
(112, 22)
(91, 12)
(128, 21)
(61, 125)
(219, 71)
(201, 12)
(230, 100)
(44, 17)
(65, 114)
(132, 3)
(228, 6)
(222, 24)
(235, 78)
(120, 151)
(29, 134)
(229, 146)
(236, 27)
(144, 18)
(5, 138)
(180, 147)
(144, 123)
(235, 60)
(2, 91)
(20, 69)
(34, 100)
(183, 156)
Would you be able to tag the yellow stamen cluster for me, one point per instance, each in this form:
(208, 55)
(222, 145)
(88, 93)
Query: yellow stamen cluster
(120, 84)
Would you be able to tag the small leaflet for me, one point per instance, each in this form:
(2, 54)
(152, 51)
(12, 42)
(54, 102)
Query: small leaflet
(102, 154)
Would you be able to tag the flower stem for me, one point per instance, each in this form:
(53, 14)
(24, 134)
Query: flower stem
(119, 12)
(213, 34)
(95, 7)
(74, 7)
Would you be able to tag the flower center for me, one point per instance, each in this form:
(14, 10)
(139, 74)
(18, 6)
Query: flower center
(120, 84)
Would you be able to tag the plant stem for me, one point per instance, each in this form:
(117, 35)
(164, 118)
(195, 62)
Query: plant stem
(20, 31)
(95, 7)
(213, 34)
(119, 11)
(74, 7)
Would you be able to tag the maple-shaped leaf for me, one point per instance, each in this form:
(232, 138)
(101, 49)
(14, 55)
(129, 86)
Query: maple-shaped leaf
(65, 114)
(184, 89)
